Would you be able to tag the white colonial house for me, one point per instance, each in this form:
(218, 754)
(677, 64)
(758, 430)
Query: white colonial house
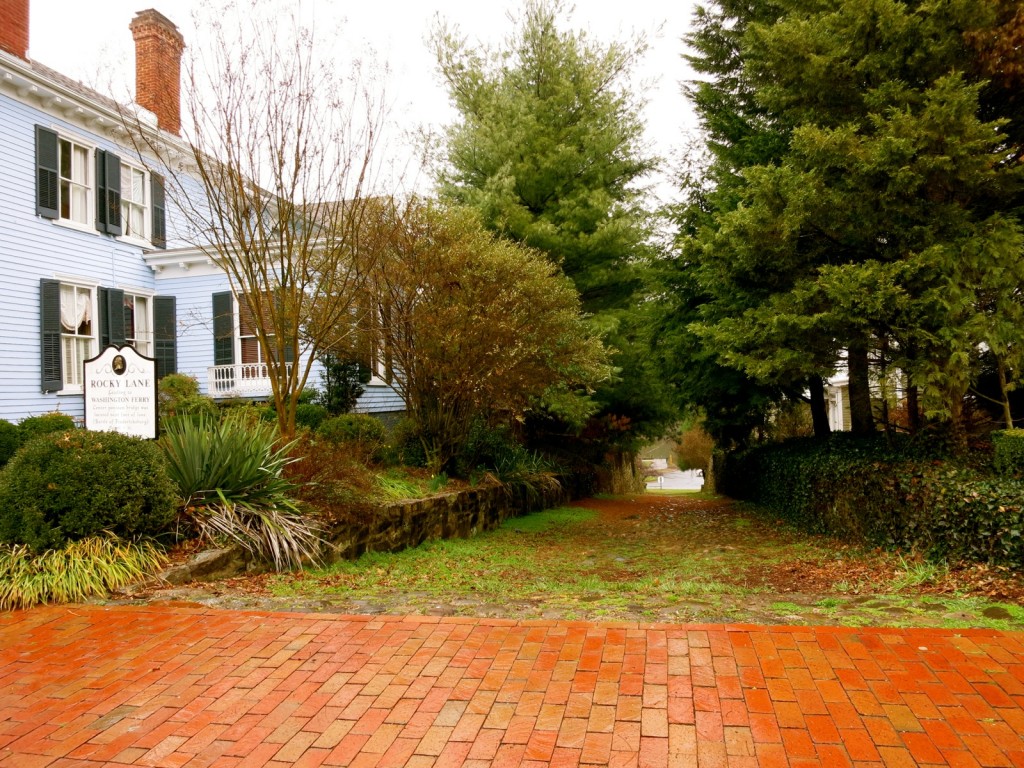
(88, 246)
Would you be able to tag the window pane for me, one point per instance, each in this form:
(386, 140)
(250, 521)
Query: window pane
(250, 350)
(65, 159)
(136, 222)
(81, 167)
(138, 187)
(79, 203)
(126, 180)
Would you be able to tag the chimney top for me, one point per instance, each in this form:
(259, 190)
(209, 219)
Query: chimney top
(158, 47)
(14, 27)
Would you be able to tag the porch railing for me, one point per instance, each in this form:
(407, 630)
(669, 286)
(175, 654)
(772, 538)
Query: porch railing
(239, 380)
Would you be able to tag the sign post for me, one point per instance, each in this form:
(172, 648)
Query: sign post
(120, 392)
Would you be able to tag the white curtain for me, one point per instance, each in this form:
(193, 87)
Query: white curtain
(75, 307)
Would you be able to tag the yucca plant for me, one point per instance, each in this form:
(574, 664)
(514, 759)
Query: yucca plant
(78, 570)
(230, 478)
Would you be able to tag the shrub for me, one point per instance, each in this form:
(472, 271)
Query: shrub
(693, 448)
(343, 381)
(10, 439)
(353, 428)
(46, 424)
(405, 446)
(230, 479)
(1008, 447)
(76, 571)
(178, 395)
(72, 485)
(309, 415)
(886, 495)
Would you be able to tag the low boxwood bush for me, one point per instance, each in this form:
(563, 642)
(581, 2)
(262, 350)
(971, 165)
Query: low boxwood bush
(10, 439)
(45, 424)
(178, 395)
(310, 415)
(1008, 452)
(353, 428)
(893, 496)
(72, 485)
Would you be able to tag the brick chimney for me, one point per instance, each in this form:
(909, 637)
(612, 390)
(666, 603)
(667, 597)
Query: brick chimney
(158, 47)
(14, 27)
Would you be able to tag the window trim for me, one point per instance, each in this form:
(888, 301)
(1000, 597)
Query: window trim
(90, 187)
(147, 209)
(93, 288)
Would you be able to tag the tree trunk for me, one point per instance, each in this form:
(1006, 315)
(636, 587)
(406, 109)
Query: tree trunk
(913, 409)
(1001, 369)
(862, 420)
(819, 408)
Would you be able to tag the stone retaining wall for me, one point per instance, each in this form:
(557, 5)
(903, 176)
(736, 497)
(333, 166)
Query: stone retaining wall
(397, 526)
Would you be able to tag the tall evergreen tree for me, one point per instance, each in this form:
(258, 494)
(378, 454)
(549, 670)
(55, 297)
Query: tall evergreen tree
(885, 223)
(549, 149)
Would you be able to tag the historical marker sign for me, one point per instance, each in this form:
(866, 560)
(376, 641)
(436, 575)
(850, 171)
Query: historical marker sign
(120, 392)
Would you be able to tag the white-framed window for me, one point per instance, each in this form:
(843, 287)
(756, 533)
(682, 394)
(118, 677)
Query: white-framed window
(77, 331)
(249, 344)
(134, 201)
(138, 323)
(75, 180)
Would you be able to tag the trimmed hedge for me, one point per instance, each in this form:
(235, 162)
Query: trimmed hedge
(10, 439)
(1008, 447)
(72, 485)
(353, 428)
(871, 492)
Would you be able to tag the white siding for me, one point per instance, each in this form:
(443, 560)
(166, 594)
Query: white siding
(32, 248)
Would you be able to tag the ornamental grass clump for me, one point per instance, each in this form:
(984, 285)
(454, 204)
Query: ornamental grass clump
(79, 570)
(230, 479)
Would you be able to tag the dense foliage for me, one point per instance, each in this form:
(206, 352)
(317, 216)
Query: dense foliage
(548, 148)
(860, 209)
(895, 496)
(477, 326)
(71, 485)
(1008, 450)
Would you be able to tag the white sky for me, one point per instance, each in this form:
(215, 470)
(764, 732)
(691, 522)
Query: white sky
(89, 41)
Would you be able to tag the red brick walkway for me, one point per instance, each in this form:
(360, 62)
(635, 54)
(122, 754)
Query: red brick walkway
(89, 686)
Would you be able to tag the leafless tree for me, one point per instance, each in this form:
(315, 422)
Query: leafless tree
(273, 177)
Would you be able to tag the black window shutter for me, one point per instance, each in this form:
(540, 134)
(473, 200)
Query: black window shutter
(158, 230)
(47, 174)
(223, 329)
(113, 196)
(101, 191)
(49, 321)
(111, 303)
(108, 192)
(165, 335)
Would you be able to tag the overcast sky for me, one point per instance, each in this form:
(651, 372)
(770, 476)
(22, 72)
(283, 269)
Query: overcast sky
(75, 39)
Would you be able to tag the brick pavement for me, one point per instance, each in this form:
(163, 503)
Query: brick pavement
(166, 686)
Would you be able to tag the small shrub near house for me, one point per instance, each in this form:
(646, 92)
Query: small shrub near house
(358, 428)
(10, 439)
(178, 395)
(75, 484)
(44, 424)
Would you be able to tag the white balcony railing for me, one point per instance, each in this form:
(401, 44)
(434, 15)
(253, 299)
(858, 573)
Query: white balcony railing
(239, 380)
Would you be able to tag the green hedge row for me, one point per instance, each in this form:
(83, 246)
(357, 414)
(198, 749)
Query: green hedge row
(871, 492)
(1008, 452)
